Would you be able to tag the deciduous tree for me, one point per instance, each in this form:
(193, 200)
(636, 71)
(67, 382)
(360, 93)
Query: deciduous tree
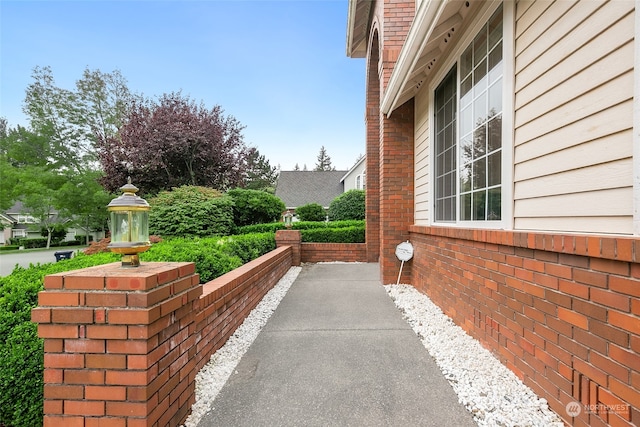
(175, 142)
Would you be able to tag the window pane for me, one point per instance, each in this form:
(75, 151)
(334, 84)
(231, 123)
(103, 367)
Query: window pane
(479, 205)
(465, 92)
(465, 207)
(466, 62)
(480, 109)
(495, 28)
(480, 173)
(466, 150)
(480, 47)
(480, 78)
(479, 142)
(495, 61)
(495, 98)
(494, 169)
(465, 178)
(466, 121)
(495, 134)
(494, 206)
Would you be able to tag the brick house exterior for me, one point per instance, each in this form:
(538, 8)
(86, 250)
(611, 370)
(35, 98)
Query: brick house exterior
(503, 141)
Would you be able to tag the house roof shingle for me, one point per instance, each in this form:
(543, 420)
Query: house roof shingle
(298, 188)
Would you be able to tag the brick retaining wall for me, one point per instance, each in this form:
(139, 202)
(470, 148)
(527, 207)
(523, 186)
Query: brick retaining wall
(561, 311)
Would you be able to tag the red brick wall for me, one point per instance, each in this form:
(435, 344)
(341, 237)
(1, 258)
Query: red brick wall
(326, 252)
(561, 311)
(396, 189)
(119, 345)
(389, 142)
(372, 123)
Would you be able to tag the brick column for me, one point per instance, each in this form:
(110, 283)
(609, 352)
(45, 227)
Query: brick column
(396, 189)
(291, 238)
(119, 345)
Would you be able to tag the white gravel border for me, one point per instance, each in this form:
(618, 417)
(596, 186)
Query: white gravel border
(213, 376)
(493, 394)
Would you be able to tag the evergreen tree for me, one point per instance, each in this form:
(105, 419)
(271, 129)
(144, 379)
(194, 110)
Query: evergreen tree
(324, 161)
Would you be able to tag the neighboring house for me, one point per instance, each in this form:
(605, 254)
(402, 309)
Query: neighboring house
(16, 222)
(503, 141)
(298, 188)
(355, 178)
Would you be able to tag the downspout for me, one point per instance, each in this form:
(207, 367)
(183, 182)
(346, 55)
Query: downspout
(421, 27)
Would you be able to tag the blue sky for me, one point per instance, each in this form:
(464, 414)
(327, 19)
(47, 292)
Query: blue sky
(278, 66)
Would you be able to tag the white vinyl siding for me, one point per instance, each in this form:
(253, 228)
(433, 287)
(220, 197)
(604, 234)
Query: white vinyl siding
(421, 153)
(574, 116)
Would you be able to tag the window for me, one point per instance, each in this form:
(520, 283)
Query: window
(18, 233)
(26, 219)
(360, 181)
(468, 131)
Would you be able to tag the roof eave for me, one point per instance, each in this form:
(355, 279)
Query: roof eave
(356, 43)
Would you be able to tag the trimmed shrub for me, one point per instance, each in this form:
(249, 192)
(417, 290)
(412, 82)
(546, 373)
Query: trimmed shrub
(298, 225)
(334, 235)
(37, 242)
(255, 207)
(349, 205)
(311, 212)
(191, 211)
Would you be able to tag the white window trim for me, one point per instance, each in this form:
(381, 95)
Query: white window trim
(508, 102)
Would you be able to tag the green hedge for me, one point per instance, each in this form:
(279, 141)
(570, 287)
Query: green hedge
(21, 351)
(334, 235)
(299, 225)
(38, 242)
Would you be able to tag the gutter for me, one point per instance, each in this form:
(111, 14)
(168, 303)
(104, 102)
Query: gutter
(421, 29)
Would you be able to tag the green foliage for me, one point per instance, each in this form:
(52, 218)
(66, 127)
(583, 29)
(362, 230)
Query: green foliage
(298, 225)
(348, 205)
(58, 233)
(249, 247)
(311, 212)
(255, 207)
(211, 261)
(334, 235)
(38, 242)
(191, 211)
(21, 365)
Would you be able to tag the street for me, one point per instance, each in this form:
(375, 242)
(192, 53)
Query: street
(24, 258)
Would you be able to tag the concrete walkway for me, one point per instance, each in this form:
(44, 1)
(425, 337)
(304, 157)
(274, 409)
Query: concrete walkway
(337, 353)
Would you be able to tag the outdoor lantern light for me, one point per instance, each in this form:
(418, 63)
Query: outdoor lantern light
(288, 219)
(129, 225)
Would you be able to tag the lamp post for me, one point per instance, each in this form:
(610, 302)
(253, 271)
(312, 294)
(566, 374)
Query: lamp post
(129, 226)
(288, 219)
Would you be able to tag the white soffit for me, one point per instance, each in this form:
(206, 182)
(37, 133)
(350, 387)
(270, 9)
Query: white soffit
(435, 27)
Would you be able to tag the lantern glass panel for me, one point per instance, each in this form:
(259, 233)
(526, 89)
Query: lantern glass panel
(129, 226)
